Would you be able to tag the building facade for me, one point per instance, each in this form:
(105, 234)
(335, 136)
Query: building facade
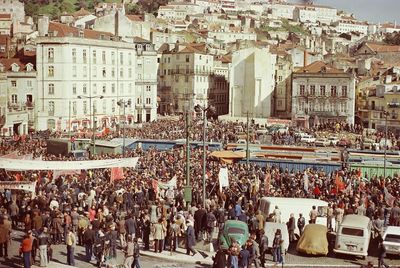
(321, 93)
(15, 8)
(252, 82)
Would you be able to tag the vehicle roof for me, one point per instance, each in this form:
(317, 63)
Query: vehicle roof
(355, 220)
(234, 223)
(392, 230)
(302, 201)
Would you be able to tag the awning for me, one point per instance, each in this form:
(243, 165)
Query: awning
(228, 156)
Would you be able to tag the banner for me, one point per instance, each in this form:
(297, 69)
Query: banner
(117, 174)
(389, 198)
(17, 185)
(17, 164)
(167, 185)
(58, 173)
(223, 178)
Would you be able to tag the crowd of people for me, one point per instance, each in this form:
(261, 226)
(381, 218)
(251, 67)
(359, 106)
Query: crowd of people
(91, 210)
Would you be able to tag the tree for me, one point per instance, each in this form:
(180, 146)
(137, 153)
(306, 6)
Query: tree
(392, 38)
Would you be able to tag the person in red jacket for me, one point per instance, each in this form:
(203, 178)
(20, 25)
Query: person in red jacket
(26, 248)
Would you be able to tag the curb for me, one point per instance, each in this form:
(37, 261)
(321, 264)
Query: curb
(178, 260)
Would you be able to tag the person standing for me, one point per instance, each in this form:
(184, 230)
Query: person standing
(71, 244)
(263, 247)
(382, 254)
(4, 238)
(190, 238)
(313, 215)
(244, 255)
(136, 253)
(43, 241)
(277, 215)
(301, 222)
(276, 247)
(291, 225)
(129, 252)
(26, 249)
(329, 217)
(88, 240)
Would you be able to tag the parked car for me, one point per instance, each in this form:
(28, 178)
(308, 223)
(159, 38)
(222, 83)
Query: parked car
(314, 240)
(307, 139)
(332, 141)
(344, 142)
(368, 144)
(237, 230)
(321, 142)
(391, 240)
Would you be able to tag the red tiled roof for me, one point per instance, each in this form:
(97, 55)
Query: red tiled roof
(381, 47)
(317, 67)
(81, 13)
(63, 30)
(8, 62)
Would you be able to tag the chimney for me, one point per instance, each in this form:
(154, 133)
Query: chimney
(305, 58)
(43, 25)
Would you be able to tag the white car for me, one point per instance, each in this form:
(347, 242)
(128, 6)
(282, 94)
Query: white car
(321, 142)
(332, 141)
(307, 139)
(391, 240)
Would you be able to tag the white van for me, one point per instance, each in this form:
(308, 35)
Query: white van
(295, 206)
(353, 235)
(270, 229)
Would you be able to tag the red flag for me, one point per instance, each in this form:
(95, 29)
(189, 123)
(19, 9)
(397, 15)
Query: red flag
(267, 182)
(117, 173)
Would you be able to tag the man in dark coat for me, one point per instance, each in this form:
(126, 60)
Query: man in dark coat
(219, 259)
(130, 224)
(199, 217)
(190, 238)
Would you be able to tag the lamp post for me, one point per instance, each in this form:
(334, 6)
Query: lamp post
(124, 104)
(93, 123)
(204, 110)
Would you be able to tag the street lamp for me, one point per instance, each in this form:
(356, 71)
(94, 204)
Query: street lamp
(93, 123)
(124, 104)
(204, 110)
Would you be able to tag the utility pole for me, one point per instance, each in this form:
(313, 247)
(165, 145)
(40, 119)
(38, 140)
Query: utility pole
(247, 141)
(94, 131)
(386, 136)
(123, 134)
(188, 189)
(204, 155)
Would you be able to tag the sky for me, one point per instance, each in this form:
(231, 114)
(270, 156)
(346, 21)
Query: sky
(372, 10)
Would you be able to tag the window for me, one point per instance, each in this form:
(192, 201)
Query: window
(74, 55)
(94, 106)
(50, 71)
(121, 72)
(121, 58)
(112, 58)
(344, 91)
(14, 83)
(50, 54)
(74, 107)
(112, 88)
(104, 89)
(104, 72)
(352, 231)
(302, 90)
(312, 90)
(51, 107)
(113, 72)
(113, 106)
(103, 57)
(148, 101)
(138, 100)
(121, 87)
(14, 98)
(94, 72)
(186, 79)
(85, 107)
(74, 89)
(84, 71)
(51, 89)
(188, 58)
(130, 73)
(73, 71)
(94, 57)
(322, 90)
(130, 58)
(280, 67)
(84, 89)
(29, 83)
(148, 88)
(104, 107)
(84, 56)
(333, 91)
(280, 78)
(95, 88)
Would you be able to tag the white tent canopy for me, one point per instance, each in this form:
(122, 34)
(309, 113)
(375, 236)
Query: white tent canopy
(18, 164)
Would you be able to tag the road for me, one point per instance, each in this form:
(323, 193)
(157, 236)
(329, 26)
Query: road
(292, 259)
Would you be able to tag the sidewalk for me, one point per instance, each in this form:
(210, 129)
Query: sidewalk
(179, 256)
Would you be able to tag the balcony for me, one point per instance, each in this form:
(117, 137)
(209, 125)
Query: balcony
(16, 106)
(30, 104)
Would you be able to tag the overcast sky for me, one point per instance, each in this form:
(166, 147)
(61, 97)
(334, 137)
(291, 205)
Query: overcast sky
(371, 10)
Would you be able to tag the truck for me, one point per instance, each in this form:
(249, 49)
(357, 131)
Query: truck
(64, 147)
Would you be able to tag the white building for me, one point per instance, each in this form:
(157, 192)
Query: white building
(348, 26)
(85, 72)
(178, 10)
(15, 8)
(184, 75)
(229, 6)
(314, 13)
(252, 82)
(322, 93)
(158, 38)
(18, 94)
(280, 11)
(231, 36)
(388, 28)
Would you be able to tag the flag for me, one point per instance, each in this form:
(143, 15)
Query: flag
(167, 185)
(389, 198)
(267, 182)
(306, 181)
(117, 173)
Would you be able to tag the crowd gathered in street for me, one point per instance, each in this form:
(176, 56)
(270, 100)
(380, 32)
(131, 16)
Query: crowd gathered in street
(133, 214)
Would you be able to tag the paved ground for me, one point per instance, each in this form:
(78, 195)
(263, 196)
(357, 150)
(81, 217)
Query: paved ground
(181, 260)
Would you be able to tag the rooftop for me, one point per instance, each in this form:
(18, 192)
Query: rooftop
(319, 67)
(63, 30)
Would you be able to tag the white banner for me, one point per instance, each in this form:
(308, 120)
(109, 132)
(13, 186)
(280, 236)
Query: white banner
(166, 185)
(17, 164)
(18, 185)
(223, 178)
